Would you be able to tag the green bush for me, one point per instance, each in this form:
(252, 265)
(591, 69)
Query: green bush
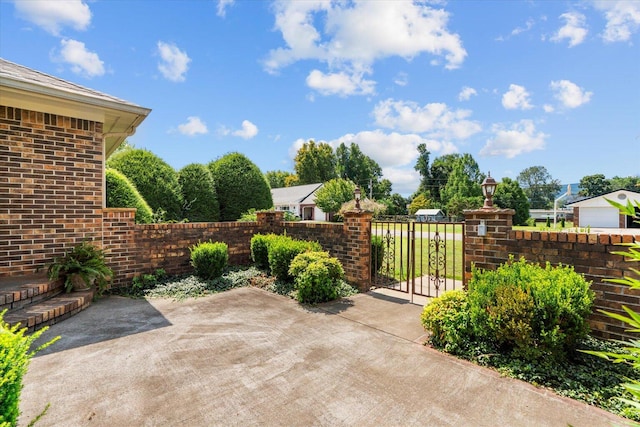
(156, 181)
(240, 186)
(317, 277)
(209, 259)
(198, 193)
(447, 318)
(15, 355)
(121, 193)
(377, 254)
(282, 250)
(260, 249)
(561, 298)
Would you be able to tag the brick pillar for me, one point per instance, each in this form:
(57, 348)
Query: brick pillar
(270, 221)
(490, 250)
(357, 231)
(119, 243)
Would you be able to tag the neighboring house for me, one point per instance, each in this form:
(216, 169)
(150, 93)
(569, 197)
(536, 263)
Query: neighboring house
(54, 139)
(429, 215)
(597, 212)
(300, 201)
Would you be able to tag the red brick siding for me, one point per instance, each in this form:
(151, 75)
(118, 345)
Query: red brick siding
(50, 187)
(589, 254)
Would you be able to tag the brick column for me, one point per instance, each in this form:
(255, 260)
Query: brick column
(270, 221)
(357, 231)
(490, 250)
(119, 243)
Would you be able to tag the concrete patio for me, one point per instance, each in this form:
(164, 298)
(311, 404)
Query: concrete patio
(248, 357)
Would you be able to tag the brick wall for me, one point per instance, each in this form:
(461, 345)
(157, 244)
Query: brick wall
(50, 187)
(133, 249)
(589, 254)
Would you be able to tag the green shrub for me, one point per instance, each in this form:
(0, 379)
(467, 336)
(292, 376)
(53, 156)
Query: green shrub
(260, 249)
(282, 250)
(561, 298)
(240, 186)
(121, 193)
(377, 254)
(447, 318)
(209, 259)
(198, 193)
(317, 277)
(156, 180)
(15, 355)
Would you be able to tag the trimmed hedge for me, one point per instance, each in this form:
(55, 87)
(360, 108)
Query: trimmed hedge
(209, 259)
(156, 181)
(121, 193)
(377, 254)
(282, 250)
(239, 185)
(198, 193)
(260, 249)
(317, 277)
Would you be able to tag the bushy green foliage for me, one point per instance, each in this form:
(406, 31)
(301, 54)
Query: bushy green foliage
(239, 185)
(282, 250)
(156, 181)
(377, 253)
(209, 259)
(260, 249)
(447, 318)
(317, 277)
(85, 260)
(561, 298)
(15, 354)
(334, 193)
(509, 195)
(121, 193)
(252, 216)
(198, 193)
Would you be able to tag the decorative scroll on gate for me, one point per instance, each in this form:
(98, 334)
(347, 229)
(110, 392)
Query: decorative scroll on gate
(419, 258)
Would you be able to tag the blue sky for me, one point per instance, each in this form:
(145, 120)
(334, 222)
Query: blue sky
(514, 83)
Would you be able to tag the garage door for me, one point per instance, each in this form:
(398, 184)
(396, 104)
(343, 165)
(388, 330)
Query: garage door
(599, 217)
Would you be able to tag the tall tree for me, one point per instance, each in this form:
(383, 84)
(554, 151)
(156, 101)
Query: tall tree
(198, 193)
(277, 179)
(156, 181)
(422, 166)
(539, 186)
(631, 183)
(443, 167)
(315, 163)
(461, 191)
(594, 185)
(396, 204)
(365, 172)
(419, 202)
(334, 193)
(509, 195)
(240, 186)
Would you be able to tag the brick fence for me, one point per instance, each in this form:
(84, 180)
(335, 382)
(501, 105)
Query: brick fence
(589, 254)
(135, 249)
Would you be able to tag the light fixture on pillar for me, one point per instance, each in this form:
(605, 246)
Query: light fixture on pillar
(357, 194)
(488, 190)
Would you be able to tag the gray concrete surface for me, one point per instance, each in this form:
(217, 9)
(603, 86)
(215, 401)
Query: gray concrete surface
(247, 357)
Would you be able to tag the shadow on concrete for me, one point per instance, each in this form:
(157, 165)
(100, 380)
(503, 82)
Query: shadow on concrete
(106, 319)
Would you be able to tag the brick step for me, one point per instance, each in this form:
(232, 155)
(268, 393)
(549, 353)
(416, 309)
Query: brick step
(50, 311)
(19, 292)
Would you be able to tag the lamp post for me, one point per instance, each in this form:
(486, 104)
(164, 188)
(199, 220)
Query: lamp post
(489, 186)
(356, 194)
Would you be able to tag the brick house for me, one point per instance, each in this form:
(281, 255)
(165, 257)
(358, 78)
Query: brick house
(54, 139)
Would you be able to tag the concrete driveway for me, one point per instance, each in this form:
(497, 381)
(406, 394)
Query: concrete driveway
(247, 357)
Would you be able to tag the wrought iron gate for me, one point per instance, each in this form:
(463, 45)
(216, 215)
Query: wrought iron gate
(420, 258)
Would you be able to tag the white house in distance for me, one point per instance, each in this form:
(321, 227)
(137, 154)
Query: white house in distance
(429, 215)
(597, 212)
(300, 201)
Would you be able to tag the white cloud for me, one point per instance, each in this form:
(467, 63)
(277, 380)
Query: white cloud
(248, 131)
(517, 98)
(548, 108)
(404, 180)
(466, 93)
(222, 7)
(174, 62)
(623, 19)
(341, 83)
(574, 29)
(518, 30)
(435, 120)
(53, 15)
(356, 34)
(401, 79)
(82, 61)
(520, 138)
(570, 94)
(194, 126)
